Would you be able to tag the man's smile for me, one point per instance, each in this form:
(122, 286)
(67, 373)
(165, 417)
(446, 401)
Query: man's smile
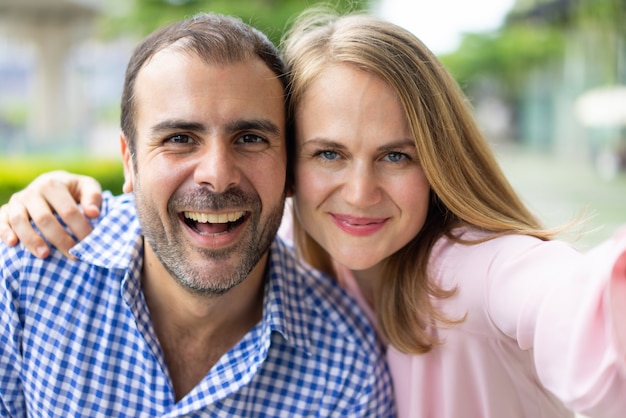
(213, 223)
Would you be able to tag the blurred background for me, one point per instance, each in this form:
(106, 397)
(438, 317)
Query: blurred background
(546, 78)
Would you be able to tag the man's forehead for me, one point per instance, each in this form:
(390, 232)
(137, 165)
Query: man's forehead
(179, 86)
(167, 57)
(169, 60)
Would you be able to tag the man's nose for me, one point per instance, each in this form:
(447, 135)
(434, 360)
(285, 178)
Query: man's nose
(217, 166)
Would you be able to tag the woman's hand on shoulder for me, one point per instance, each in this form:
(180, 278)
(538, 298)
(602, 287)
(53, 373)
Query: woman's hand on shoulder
(55, 192)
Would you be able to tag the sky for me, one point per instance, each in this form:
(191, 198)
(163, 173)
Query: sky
(440, 23)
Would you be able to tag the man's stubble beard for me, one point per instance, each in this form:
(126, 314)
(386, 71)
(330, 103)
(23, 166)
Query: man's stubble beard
(217, 276)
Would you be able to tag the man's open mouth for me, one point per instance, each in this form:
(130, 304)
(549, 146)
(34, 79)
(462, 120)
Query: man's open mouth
(213, 223)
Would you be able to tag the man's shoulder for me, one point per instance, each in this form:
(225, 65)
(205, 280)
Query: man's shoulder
(118, 218)
(120, 206)
(114, 232)
(115, 240)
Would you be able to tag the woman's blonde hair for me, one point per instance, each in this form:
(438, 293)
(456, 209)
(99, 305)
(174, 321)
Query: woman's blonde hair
(467, 185)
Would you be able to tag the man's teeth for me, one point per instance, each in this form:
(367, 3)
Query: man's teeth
(213, 218)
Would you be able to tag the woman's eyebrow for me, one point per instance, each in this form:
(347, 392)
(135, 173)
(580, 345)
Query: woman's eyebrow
(323, 142)
(401, 143)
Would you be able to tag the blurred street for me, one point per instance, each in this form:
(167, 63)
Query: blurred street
(558, 190)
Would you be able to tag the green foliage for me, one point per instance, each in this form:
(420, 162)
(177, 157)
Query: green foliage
(141, 17)
(603, 14)
(16, 173)
(507, 55)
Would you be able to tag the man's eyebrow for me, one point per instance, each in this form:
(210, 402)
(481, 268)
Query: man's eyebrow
(263, 125)
(178, 125)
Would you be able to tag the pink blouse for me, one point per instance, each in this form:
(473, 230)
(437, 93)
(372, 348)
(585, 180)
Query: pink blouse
(542, 335)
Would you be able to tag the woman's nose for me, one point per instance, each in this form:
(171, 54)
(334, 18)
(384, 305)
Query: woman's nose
(361, 186)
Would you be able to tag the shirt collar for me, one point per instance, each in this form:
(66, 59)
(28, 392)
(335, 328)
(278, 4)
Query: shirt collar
(285, 309)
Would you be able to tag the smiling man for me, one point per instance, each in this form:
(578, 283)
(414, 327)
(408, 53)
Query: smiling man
(182, 302)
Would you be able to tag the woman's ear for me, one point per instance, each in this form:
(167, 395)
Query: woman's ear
(127, 159)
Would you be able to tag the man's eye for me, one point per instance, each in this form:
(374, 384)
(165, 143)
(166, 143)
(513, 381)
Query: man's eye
(250, 139)
(180, 139)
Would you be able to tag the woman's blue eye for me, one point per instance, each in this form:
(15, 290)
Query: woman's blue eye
(328, 155)
(396, 157)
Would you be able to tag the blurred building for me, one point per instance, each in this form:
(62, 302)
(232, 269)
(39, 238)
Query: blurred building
(54, 74)
(576, 105)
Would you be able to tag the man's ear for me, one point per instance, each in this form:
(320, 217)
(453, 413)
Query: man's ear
(127, 159)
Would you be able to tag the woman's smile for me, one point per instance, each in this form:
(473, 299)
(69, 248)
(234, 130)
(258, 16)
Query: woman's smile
(358, 226)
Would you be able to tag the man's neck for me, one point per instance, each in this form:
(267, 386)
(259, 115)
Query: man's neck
(196, 330)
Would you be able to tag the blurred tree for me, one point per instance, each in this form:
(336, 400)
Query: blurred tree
(505, 56)
(141, 17)
(535, 35)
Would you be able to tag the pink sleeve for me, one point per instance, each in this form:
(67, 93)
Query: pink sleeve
(579, 338)
(617, 302)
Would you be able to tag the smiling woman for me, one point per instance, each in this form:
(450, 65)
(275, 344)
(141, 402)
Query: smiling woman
(465, 283)
(360, 189)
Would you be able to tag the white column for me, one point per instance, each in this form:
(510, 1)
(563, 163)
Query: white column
(49, 116)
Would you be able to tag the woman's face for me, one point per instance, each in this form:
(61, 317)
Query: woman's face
(360, 189)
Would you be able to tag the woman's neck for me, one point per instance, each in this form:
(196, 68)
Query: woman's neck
(367, 281)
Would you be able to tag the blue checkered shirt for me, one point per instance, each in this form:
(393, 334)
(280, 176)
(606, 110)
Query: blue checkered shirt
(76, 339)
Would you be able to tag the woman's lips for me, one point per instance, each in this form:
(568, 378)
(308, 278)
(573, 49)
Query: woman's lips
(358, 226)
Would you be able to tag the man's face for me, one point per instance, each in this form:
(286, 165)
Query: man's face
(210, 166)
